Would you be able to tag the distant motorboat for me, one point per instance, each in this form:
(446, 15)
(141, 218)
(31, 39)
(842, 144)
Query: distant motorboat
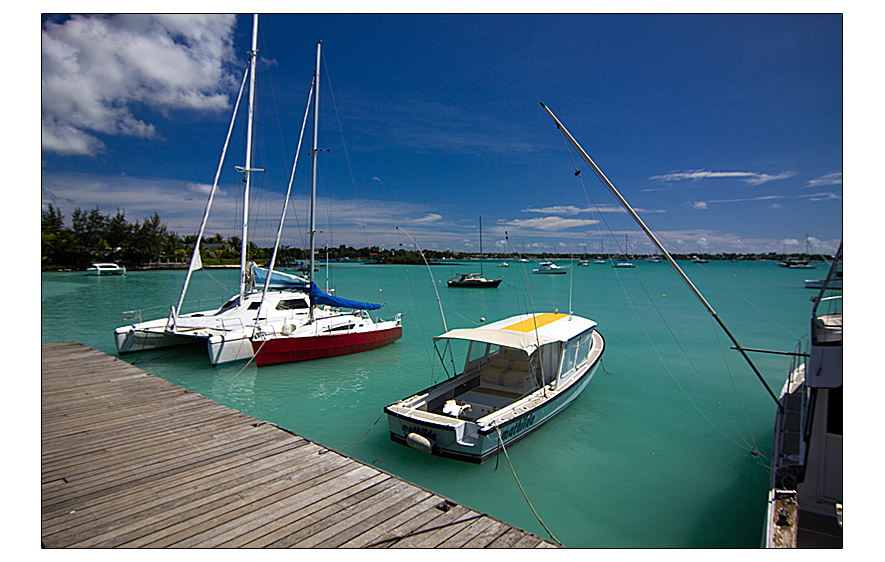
(105, 269)
(549, 267)
(473, 280)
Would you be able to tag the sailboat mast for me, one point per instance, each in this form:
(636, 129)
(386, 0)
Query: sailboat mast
(253, 54)
(313, 170)
(663, 250)
(480, 247)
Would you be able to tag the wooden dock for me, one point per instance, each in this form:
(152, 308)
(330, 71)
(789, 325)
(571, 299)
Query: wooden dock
(131, 460)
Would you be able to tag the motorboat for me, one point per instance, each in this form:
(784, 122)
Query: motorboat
(105, 269)
(473, 280)
(550, 268)
(517, 374)
(805, 491)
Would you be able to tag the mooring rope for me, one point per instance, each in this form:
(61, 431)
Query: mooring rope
(501, 440)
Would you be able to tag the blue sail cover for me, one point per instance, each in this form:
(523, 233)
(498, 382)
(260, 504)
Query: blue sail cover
(279, 279)
(319, 297)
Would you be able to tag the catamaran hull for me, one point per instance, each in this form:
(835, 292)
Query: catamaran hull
(290, 349)
(227, 348)
(445, 441)
(130, 340)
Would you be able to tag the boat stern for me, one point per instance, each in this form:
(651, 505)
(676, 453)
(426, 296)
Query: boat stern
(430, 433)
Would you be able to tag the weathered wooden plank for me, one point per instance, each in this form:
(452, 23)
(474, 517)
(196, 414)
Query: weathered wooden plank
(357, 479)
(200, 507)
(437, 531)
(488, 535)
(129, 460)
(341, 523)
(372, 536)
(467, 532)
(358, 526)
(141, 498)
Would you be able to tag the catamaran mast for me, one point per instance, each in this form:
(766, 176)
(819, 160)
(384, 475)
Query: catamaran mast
(663, 250)
(313, 170)
(247, 170)
(197, 263)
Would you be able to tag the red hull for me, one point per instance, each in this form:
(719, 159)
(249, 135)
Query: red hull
(287, 350)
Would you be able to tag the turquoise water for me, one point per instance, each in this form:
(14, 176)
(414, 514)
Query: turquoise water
(654, 454)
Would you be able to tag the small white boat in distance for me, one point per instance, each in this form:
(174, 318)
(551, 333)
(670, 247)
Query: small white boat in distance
(549, 267)
(518, 373)
(105, 269)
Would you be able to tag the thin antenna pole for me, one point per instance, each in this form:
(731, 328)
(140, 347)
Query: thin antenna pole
(660, 246)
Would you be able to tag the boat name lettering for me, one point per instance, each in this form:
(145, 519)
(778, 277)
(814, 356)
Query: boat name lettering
(518, 427)
(423, 431)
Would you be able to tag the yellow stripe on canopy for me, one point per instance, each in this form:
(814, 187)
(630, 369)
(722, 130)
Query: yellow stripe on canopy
(536, 322)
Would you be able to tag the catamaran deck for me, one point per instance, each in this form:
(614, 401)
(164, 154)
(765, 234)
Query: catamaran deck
(131, 460)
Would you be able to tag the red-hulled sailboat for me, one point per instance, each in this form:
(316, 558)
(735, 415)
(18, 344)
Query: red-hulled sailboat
(335, 326)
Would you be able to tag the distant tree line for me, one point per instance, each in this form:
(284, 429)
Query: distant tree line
(96, 237)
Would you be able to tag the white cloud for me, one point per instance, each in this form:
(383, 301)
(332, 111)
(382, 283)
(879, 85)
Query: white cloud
(95, 69)
(432, 217)
(751, 178)
(829, 179)
(549, 223)
(699, 205)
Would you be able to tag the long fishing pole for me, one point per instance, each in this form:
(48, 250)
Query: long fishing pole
(660, 246)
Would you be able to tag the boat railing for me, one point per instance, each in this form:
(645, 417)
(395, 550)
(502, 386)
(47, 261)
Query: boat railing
(131, 315)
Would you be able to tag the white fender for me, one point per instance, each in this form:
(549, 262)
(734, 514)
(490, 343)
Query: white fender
(419, 443)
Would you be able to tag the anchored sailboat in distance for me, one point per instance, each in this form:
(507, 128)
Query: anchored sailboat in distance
(329, 330)
(475, 280)
(225, 330)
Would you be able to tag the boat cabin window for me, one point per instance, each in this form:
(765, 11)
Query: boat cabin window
(584, 347)
(575, 353)
(292, 304)
(232, 303)
(568, 357)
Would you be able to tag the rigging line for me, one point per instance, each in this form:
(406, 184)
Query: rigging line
(507, 456)
(734, 386)
(349, 166)
(432, 280)
(669, 329)
(667, 255)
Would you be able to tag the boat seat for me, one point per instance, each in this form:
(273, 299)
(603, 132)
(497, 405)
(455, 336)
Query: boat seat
(511, 375)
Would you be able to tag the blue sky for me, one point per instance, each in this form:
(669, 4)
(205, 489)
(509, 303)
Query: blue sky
(725, 132)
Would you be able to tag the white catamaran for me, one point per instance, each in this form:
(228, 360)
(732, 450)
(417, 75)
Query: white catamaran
(226, 331)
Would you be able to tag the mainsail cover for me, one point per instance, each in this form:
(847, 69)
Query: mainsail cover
(319, 297)
(279, 279)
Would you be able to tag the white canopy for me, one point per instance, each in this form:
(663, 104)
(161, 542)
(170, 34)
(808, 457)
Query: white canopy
(526, 332)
